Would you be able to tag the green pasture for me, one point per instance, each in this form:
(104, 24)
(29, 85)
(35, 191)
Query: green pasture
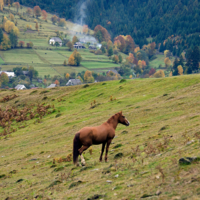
(159, 61)
(98, 65)
(67, 69)
(143, 158)
(46, 70)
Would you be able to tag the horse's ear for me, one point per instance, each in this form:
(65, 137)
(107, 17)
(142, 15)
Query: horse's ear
(120, 112)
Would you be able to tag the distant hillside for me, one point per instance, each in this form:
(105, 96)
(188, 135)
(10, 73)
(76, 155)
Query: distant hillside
(139, 18)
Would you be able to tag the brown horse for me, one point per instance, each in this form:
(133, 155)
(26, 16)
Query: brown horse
(97, 135)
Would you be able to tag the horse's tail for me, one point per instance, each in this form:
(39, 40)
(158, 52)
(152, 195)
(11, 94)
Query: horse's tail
(76, 146)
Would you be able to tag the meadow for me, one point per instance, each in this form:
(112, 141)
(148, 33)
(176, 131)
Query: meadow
(143, 159)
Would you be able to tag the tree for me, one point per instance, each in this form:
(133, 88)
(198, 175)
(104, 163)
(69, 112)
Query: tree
(29, 11)
(37, 11)
(1, 5)
(71, 60)
(101, 33)
(180, 70)
(167, 62)
(36, 26)
(70, 46)
(54, 19)
(4, 78)
(152, 71)
(32, 73)
(65, 63)
(17, 5)
(77, 57)
(120, 42)
(13, 39)
(8, 26)
(57, 44)
(115, 59)
(110, 51)
(88, 78)
(167, 53)
(57, 82)
(159, 74)
(1, 35)
(120, 58)
(21, 44)
(62, 22)
(74, 39)
(5, 44)
(12, 18)
(130, 58)
(67, 76)
(44, 14)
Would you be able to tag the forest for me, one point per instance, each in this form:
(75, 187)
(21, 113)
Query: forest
(141, 19)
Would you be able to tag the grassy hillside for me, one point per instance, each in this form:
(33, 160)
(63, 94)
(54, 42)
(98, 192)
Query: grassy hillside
(164, 127)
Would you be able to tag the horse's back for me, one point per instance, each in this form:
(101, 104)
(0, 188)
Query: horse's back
(97, 134)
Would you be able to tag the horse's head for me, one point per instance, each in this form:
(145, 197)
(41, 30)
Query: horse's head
(122, 119)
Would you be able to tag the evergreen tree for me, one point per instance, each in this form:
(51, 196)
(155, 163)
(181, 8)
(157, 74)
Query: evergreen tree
(13, 39)
(1, 35)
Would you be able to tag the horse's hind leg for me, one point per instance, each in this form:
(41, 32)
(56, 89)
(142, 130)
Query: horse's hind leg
(102, 150)
(107, 147)
(83, 148)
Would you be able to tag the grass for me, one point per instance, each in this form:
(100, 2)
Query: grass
(98, 65)
(158, 61)
(148, 150)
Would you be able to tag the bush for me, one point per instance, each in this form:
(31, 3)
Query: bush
(98, 52)
(92, 51)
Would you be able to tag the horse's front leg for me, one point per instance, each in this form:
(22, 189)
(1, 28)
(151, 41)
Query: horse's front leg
(102, 150)
(107, 147)
(83, 148)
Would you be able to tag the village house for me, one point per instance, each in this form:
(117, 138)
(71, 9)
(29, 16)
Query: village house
(92, 47)
(73, 82)
(78, 45)
(53, 40)
(20, 87)
(53, 85)
(9, 74)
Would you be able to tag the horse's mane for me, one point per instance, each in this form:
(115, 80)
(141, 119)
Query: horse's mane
(110, 119)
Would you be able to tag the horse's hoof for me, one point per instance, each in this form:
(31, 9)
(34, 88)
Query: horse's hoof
(83, 163)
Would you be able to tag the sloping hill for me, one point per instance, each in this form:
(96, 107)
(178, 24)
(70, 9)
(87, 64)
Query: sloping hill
(164, 127)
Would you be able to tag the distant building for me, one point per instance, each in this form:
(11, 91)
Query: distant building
(92, 47)
(53, 40)
(113, 71)
(20, 87)
(79, 45)
(88, 39)
(9, 74)
(53, 85)
(25, 73)
(73, 82)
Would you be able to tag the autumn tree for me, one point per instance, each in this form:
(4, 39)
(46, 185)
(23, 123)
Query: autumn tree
(88, 78)
(180, 70)
(120, 42)
(54, 19)
(167, 62)
(70, 46)
(115, 59)
(29, 11)
(17, 5)
(57, 82)
(8, 26)
(62, 22)
(159, 74)
(1, 5)
(44, 14)
(167, 53)
(4, 78)
(130, 58)
(74, 39)
(152, 71)
(12, 18)
(36, 26)
(67, 76)
(85, 29)
(5, 44)
(101, 33)
(37, 11)
(71, 60)
(21, 43)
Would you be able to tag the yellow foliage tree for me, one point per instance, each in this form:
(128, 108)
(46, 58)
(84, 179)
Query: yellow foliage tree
(167, 53)
(16, 31)
(167, 62)
(12, 18)
(67, 76)
(8, 26)
(180, 70)
(136, 49)
(88, 78)
(130, 58)
(1, 5)
(71, 60)
(159, 74)
(131, 76)
(5, 44)
(80, 79)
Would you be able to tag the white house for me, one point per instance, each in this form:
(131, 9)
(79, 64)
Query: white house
(9, 74)
(79, 45)
(53, 85)
(73, 82)
(20, 87)
(53, 40)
